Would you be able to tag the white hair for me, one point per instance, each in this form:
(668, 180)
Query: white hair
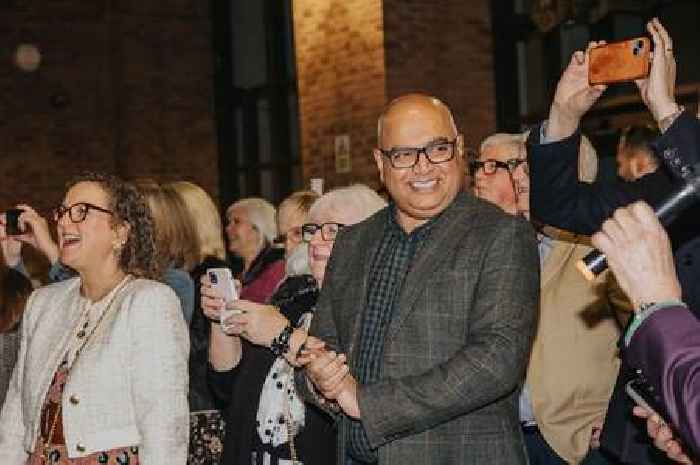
(502, 138)
(297, 263)
(261, 215)
(358, 200)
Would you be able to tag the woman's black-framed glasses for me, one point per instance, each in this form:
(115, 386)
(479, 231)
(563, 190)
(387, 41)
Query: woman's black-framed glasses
(490, 165)
(329, 231)
(407, 157)
(77, 212)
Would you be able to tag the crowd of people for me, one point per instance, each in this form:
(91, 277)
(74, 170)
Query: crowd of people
(447, 324)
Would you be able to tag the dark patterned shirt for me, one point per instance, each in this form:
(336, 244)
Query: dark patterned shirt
(390, 265)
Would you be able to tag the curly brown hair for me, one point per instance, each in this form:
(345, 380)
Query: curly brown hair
(139, 254)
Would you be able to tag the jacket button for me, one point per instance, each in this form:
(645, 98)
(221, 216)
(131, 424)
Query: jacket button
(74, 399)
(80, 447)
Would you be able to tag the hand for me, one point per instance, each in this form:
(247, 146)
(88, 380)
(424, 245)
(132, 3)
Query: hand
(595, 437)
(662, 435)
(658, 90)
(327, 370)
(313, 347)
(639, 253)
(257, 323)
(574, 96)
(347, 398)
(11, 247)
(212, 302)
(37, 234)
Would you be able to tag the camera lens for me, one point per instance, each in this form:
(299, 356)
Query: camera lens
(212, 278)
(640, 44)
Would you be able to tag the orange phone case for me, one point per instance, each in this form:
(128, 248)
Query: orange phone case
(619, 61)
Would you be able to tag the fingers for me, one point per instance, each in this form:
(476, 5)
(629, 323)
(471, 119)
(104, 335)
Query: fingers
(332, 385)
(212, 305)
(663, 35)
(314, 343)
(644, 214)
(641, 412)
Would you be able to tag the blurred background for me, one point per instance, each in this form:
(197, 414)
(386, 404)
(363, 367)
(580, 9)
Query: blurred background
(255, 97)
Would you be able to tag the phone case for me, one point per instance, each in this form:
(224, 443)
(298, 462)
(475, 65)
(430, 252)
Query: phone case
(222, 280)
(619, 61)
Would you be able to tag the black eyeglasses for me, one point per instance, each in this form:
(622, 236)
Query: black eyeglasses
(490, 166)
(407, 157)
(77, 212)
(329, 231)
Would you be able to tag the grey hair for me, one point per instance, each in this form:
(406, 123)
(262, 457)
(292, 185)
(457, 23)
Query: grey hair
(262, 215)
(502, 138)
(361, 201)
(297, 263)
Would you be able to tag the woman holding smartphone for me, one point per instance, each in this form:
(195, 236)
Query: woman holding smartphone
(267, 422)
(101, 375)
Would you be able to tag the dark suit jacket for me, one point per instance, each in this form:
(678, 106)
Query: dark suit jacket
(457, 348)
(557, 197)
(666, 351)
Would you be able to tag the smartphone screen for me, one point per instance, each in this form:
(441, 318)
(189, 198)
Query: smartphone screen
(12, 226)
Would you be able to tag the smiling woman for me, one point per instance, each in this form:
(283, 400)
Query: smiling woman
(91, 337)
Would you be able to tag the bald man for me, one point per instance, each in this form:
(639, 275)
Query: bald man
(432, 303)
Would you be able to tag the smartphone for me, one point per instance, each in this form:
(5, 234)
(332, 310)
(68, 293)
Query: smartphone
(620, 61)
(12, 225)
(222, 280)
(642, 395)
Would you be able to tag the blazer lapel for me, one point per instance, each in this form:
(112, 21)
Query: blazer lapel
(442, 242)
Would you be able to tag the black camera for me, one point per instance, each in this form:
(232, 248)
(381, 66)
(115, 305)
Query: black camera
(12, 226)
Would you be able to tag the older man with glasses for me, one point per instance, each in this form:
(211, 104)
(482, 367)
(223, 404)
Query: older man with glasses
(573, 363)
(432, 303)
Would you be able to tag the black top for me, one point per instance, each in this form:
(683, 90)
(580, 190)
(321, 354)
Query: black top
(200, 396)
(238, 391)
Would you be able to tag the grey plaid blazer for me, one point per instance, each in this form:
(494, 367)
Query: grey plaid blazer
(457, 349)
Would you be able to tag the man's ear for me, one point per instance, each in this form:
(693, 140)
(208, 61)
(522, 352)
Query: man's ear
(459, 147)
(379, 160)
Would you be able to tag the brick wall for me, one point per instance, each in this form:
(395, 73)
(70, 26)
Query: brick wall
(353, 56)
(444, 48)
(138, 79)
(341, 79)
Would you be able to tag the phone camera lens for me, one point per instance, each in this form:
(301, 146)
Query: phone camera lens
(640, 44)
(212, 278)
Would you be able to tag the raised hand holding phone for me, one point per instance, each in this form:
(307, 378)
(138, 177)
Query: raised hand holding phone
(222, 281)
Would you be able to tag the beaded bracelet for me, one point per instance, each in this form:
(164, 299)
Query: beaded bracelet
(280, 344)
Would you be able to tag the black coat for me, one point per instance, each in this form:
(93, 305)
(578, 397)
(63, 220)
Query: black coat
(559, 199)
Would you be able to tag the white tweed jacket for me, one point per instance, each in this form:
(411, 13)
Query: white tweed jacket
(128, 386)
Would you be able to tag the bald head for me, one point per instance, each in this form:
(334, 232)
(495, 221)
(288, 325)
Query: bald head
(413, 113)
(420, 157)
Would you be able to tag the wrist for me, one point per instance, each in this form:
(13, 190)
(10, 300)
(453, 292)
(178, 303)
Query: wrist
(51, 253)
(279, 346)
(670, 114)
(561, 123)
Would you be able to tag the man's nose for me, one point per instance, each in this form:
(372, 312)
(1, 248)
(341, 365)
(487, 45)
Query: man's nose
(422, 163)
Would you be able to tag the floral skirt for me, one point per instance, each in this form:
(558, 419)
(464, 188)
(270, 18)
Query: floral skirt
(58, 455)
(206, 438)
